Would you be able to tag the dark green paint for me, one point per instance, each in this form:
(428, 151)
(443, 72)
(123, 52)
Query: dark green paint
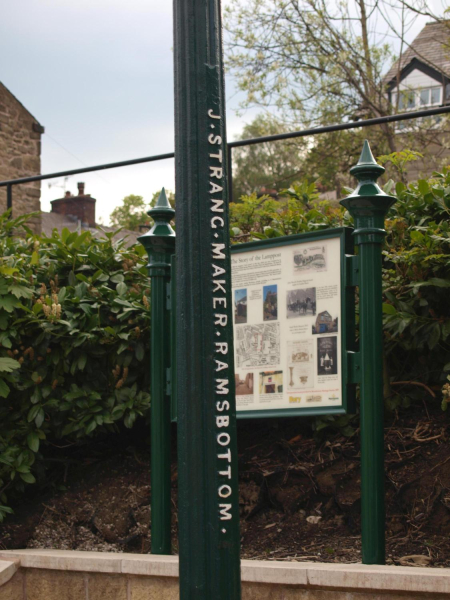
(159, 243)
(209, 556)
(368, 205)
(173, 342)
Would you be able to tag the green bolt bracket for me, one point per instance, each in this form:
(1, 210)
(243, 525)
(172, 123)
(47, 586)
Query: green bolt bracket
(354, 367)
(352, 271)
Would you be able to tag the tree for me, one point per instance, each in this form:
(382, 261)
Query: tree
(131, 214)
(317, 62)
(267, 166)
(273, 166)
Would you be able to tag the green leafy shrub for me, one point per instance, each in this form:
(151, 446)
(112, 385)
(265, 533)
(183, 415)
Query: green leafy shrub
(417, 281)
(299, 210)
(74, 331)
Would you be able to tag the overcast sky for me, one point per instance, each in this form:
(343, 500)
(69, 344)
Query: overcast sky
(98, 74)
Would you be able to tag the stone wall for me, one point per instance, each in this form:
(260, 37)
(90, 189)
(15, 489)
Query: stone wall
(20, 154)
(74, 575)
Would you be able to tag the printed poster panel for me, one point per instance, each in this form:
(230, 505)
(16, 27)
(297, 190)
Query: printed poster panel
(287, 339)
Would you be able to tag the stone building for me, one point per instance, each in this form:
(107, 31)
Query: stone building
(325, 323)
(20, 154)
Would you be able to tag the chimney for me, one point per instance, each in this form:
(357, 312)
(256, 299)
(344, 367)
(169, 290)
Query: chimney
(81, 207)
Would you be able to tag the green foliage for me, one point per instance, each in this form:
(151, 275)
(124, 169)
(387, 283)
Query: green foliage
(417, 280)
(131, 214)
(270, 165)
(299, 210)
(400, 160)
(74, 321)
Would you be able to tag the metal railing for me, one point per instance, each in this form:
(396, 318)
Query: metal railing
(9, 183)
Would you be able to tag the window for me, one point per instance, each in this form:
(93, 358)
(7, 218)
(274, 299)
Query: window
(424, 97)
(436, 95)
(419, 98)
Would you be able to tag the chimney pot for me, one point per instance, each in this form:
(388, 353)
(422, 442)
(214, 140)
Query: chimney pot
(80, 188)
(68, 194)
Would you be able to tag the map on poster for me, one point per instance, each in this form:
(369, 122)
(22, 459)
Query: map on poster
(287, 319)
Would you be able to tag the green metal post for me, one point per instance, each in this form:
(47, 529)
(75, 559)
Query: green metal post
(208, 510)
(160, 245)
(368, 205)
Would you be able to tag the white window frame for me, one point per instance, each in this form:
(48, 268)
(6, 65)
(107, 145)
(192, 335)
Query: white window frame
(417, 93)
(407, 126)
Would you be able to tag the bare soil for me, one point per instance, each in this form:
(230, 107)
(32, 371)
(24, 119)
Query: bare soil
(299, 497)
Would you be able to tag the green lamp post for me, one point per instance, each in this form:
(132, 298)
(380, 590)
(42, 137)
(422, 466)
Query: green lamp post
(159, 243)
(368, 205)
(208, 499)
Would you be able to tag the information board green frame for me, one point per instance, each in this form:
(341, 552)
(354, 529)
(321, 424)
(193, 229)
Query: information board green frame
(349, 356)
(347, 327)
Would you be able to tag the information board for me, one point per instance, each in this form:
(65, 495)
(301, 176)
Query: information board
(289, 297)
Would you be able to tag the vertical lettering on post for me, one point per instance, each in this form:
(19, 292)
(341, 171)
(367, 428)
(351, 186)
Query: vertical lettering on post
(220, 291)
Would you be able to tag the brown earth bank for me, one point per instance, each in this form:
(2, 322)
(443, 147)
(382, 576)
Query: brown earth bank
(299, 496)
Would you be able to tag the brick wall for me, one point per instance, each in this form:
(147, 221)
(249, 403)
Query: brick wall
(20, 154)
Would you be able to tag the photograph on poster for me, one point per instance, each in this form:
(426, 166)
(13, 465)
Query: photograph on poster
(299, 377)
(271, 382)
(270, 303)
(300, 371)
(244, 384)
(301, 303)
(310, 258)
(300, 351)
(327, 356)
(257, 345)
(240, 306)
(325, 323)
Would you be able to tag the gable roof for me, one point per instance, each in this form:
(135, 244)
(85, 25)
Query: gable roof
(51, 220)
(431, 48)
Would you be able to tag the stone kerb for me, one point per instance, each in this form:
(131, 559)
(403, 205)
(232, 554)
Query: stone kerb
(73, 575)
(8, 568)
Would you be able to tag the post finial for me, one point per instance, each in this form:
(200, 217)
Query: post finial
(367, 172)
(367, 167)
(162, 213)
(162, 209)
(368, 204)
